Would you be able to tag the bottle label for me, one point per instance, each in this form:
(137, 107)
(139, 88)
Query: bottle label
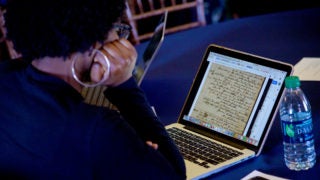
(297, 132)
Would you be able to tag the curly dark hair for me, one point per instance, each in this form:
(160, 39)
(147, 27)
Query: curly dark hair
(57, 28)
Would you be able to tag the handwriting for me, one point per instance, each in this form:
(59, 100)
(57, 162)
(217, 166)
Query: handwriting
(227, 98)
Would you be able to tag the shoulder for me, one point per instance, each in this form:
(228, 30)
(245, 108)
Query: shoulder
(8, 66)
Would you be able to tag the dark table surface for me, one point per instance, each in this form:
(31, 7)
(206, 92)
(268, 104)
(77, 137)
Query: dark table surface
(286, 36)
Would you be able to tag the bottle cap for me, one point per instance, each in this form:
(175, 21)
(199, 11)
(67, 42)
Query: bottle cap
(292, 82)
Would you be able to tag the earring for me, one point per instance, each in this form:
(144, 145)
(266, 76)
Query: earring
(85, 79)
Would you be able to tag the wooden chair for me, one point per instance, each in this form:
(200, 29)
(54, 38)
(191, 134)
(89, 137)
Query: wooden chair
(139, 10)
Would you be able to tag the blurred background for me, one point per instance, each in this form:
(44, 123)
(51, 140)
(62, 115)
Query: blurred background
(144, 15)
(222, 10)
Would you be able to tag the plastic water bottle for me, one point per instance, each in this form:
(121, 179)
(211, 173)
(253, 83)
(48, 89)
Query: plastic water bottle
(296, 124)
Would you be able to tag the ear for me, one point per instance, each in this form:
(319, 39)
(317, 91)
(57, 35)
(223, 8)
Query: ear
(100, 68)
(97, 72)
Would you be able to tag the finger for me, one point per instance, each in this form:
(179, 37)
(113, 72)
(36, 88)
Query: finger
(149, 143)
(122, 50)
(155, 146)
(131, 49)
(96, 72)
(112, 50)
(127, 44)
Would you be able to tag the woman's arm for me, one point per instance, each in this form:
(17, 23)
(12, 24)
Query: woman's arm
(136, 110)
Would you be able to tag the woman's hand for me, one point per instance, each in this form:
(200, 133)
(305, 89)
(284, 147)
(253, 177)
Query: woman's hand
(122, 57)
(153, 145)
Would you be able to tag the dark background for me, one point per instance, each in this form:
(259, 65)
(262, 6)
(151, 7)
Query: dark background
(222, 10)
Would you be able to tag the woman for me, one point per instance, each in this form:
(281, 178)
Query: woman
(46, 130)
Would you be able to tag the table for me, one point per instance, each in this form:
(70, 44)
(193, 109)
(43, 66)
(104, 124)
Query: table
(285, 36)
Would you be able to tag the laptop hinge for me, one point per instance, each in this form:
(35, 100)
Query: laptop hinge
(207, 134)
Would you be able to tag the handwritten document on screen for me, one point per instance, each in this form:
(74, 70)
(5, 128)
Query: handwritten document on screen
(227, 98)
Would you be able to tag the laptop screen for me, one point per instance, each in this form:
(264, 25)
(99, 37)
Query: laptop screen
(236, 94)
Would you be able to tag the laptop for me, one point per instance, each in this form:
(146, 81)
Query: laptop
(151, 50)
(229, 110)
(95, 95)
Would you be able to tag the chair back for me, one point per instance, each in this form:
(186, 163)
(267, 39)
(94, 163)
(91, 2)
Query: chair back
(139, 10)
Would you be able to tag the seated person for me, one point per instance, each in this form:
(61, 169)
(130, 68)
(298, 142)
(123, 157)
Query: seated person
(46, 129)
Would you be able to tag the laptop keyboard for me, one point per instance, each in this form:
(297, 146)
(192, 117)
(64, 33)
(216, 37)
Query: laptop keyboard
(200, 150)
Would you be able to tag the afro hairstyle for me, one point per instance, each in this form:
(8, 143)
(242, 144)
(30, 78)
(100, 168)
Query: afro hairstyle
(57, 28)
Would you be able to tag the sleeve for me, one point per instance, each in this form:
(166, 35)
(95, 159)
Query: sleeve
(138, 114)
